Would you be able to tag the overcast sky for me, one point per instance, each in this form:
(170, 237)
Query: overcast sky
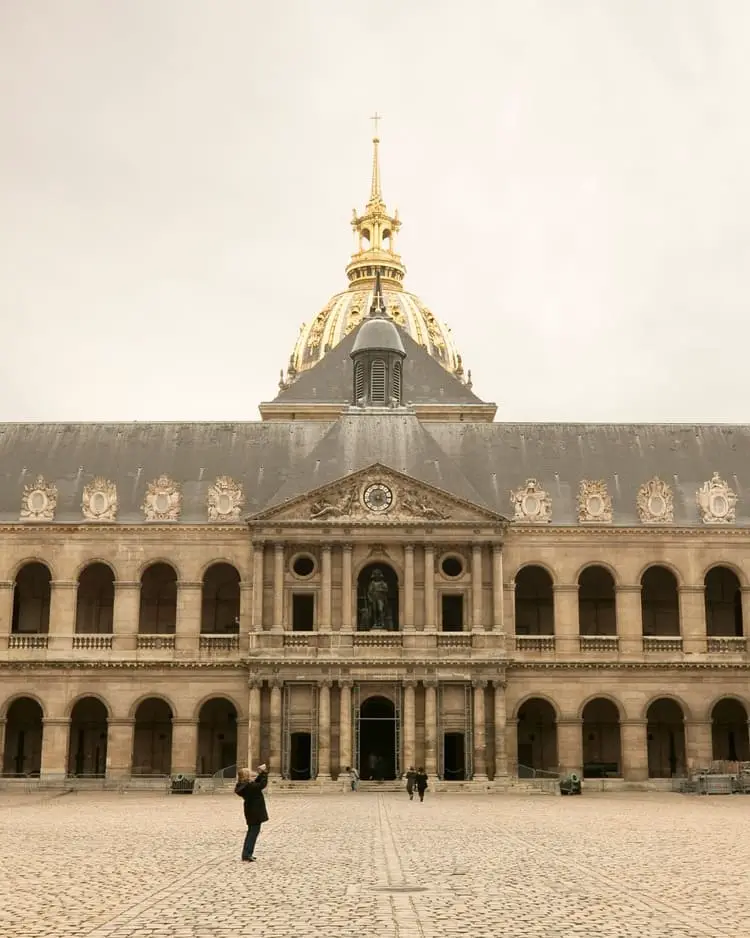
(177, 179)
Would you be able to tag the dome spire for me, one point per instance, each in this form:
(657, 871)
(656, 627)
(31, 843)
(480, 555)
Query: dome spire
(375, 235)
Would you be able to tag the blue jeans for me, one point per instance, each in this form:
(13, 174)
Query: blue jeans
(250, 837)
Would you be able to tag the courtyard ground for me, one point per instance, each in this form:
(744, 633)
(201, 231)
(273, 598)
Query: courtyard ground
(334, 866)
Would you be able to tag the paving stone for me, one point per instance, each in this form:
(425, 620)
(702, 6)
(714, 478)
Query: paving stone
(614, 866)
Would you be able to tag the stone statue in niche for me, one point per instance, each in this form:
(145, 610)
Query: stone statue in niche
(378, 607)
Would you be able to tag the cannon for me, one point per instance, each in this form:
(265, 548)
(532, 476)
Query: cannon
(570, 784)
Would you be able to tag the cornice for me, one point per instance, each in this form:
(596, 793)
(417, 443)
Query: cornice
(638, 532)
(114, 528)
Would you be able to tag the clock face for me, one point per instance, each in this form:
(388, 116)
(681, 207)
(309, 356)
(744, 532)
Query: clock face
(378, 497)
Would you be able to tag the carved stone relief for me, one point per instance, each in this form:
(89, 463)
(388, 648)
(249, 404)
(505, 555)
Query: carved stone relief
(99, 500)
(655, 502)
(531, 503)
(225, 500)
(39, 500)
(163, 501)
(412, 502)
(716, 501)
(594, 502)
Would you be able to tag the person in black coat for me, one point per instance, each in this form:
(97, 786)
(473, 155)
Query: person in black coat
(421, 782)
(255, 806)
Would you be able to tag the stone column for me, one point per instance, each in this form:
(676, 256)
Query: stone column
(699, 743)
(346, 588)
(745, 594)
(693, 620)
(430, 623)
(6, 611)
(246, 609)
(274, 755)
(55, 738)
(511, 745)
(120, 748)
(62, 614)
(409, 587)
(345, 725)
(184, 746)
(409, 723)
(257, 615)
(501, 750)
(277, 625)
(566, 619)
(477, 623)
(498, 599)
(3, 722)
(126, 614)
(253, 726)
(480, 736)
(430, 728)
(325, 588)
(629, 620)
(189, 609)
(243, 735)
(324, 730)
(634, 749)
(570, 746)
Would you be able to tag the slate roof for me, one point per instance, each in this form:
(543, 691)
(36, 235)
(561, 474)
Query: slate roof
(425, 381)
(275, 461)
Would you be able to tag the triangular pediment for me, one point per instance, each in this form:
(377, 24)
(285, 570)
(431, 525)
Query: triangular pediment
(378, 495)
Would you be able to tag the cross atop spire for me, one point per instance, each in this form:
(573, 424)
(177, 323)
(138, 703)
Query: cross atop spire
(375, 118)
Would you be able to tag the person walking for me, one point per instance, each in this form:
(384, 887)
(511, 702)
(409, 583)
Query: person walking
(353, 777)
(255, 807)
(411, 778)
(421, 782)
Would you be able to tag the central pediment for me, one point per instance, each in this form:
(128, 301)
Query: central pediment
(378, 495)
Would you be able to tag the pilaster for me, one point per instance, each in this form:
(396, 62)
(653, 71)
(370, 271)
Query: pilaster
(55, 736)
(277, 624)
(246, 610)
(258, 558)
(430, 622)
(693, 620)
(634, 748)
(184, 746)
(566, 619)
(480, 744)
(570, 746)
(345, 725)
(629, 619)
(62, 613)
(6, 611)
(253, 725)
(189, 609)
(120, 748)
(126, 614)
(409, 587)
(699, 743)
(501, 749)
(325, 588)
(498, 598)
(274, 755)
(346, 589)
(477, 623)
(409, 723)
(430, 728)
(324, 729)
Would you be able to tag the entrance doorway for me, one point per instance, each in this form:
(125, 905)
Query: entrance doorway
(300, 757)
(377, 738)
(454, 769)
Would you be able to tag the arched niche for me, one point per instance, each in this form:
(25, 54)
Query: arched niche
(377, 598)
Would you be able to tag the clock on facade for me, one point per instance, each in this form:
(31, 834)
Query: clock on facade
(378, 497)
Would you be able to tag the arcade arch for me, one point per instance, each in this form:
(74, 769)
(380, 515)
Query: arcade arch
(723, 602)
(217, 736)
(220, 601)
(537, 736)
(660, 605)
(596, 602)
(535, 604)
(152, 738)
(158, 610)
(95, 601)
(87, 744)
(665, 732)
(22, 753)
(729, 731)
(602, 756)
(31, 599)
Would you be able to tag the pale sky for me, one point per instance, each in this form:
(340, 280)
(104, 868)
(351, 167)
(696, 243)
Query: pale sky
(177, 179)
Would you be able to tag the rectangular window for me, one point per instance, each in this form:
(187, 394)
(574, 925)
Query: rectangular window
(303, 612)
(453, 612)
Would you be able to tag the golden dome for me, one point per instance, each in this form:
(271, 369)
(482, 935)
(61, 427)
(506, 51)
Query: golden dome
(375, 250)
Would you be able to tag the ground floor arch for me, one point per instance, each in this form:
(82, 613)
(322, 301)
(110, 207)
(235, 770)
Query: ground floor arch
(22, 752)
(152, 738)
(729, 731)
(217, 736)
(87, 743)
(602, 757)
(537, 736)
(377, 738)
(665, 734)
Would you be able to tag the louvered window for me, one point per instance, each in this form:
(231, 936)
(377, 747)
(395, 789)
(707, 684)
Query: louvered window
(359, 382)
(377, 381)
(397, 381)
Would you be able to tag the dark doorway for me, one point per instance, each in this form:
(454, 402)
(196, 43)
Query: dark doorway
(365, 614)
(377, 739)
(453, 612)
(87, 749)
(454, 768)
(303, 612)
(300, 757)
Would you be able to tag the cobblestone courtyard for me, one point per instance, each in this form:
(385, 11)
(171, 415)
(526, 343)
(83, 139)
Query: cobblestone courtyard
(368, 864)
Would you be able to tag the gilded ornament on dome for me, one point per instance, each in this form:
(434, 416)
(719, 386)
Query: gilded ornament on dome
(397, 314)
(99, 500)
(594, 502)
(163, 501)
(316, 332)
(225, 500)
(716, 501)
(655, 502)
(355, 318)
(531, 503)
(39, 500)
